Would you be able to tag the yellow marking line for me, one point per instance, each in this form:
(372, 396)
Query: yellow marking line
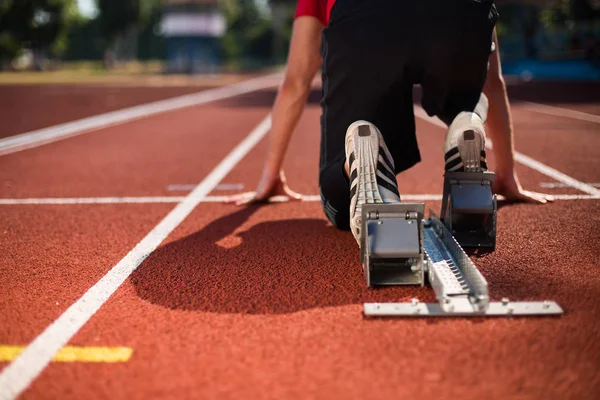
(76, 354)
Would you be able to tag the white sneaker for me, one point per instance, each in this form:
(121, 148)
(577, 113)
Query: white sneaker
(372, 173)
(464, 149)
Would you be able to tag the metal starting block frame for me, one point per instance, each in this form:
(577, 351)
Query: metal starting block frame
(392, 244)
(460, 288)
(469, 208)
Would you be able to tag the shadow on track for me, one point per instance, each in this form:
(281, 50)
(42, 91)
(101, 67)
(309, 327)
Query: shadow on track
(273, 267)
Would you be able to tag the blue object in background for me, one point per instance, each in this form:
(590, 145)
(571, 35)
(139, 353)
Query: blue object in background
(193, 54)
(552, 70)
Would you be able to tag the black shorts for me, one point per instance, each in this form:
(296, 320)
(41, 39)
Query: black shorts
(374, 51)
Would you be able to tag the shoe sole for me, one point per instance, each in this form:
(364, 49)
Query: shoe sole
(470, 150)
(366, 146)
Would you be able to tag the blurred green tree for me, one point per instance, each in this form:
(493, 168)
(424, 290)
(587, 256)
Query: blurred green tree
(258, 31)
(9, 42)
(151, 42)
(245, 25)
(39, 25)
(546, 29)
(85, 40)
(283, 14)
(121, 19)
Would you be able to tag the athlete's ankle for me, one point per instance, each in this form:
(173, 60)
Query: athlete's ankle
(481, 110)
(347, 169)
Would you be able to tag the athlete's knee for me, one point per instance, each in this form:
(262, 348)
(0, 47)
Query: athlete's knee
(338, 218)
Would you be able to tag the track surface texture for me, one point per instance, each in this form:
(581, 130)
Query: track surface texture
(266, 301)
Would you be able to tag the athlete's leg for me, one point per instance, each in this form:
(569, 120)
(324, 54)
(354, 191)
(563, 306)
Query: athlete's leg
(454, 63)
(362, 80)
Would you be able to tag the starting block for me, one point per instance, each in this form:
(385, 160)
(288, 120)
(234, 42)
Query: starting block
(469, 208)
(392, 246)
(400, 248)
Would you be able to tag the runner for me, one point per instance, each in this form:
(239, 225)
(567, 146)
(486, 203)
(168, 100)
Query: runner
(372, 53)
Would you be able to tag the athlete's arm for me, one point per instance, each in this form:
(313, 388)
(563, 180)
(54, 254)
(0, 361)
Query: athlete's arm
(500, 130)
(304, 60)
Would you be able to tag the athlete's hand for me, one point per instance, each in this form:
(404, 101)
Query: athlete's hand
(270, 185)
(508, 185)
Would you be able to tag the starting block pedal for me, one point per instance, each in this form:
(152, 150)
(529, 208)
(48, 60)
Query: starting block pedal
(469, 208)
(392, 244)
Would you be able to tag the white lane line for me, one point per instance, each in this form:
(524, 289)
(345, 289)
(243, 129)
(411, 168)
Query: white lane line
(190, 187)
(220, 199)
(17, 376)
(574, 197)
(558, 111)
(181, 187)
(555, 185)
(128, 200)
(94, 200)
(555, 174)
(40, 137)
(230, 186)
(523, 159)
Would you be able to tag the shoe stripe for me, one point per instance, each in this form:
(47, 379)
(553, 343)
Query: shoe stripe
(382, 164)
(483, 160)
(381, 176)
(386, 172)
(451, 165)
(386, 160)
(353, 191)
(385, 184)
(453, 151)
(454, 162)
(458, 168)
(385, 153)
(351, 159)
(452, 158)
(353, 177)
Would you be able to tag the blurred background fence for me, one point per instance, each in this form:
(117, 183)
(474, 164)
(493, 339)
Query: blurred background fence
(539, 38)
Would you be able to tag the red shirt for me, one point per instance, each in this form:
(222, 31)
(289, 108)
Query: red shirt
(320, 9)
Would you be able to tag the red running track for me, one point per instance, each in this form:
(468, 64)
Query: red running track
(265, 302)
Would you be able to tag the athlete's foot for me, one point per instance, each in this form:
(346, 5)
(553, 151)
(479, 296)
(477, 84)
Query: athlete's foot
(371, 170)
(464, 149)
